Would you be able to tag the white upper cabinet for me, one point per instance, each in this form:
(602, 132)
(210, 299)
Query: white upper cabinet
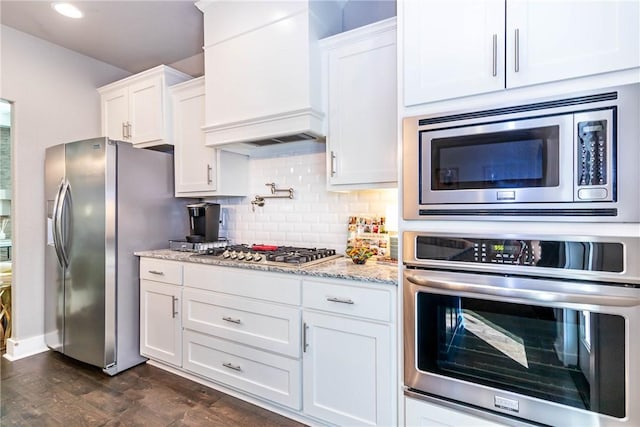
(457, 48)
(557, 40)
(359, 69)
(452, 48)
(262, 70)
(202, 171)
(137, 109)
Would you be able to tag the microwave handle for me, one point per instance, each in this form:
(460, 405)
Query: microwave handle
(528, 294)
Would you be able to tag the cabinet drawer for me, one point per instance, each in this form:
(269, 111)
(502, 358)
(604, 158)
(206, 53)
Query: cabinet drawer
(259, 324)
(357, 301)
(161, 271)
(420, 413)
(264, 285)
(262, 374)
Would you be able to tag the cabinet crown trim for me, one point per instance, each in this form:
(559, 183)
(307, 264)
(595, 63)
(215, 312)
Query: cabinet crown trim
(361, 33)
(160, 70)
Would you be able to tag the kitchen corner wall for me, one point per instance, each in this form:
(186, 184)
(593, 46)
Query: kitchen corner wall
(313, 218)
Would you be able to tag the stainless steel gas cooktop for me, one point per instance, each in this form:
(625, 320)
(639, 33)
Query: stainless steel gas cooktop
(272, 255)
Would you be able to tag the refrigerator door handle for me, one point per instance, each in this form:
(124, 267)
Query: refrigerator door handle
(61, 246)
(57, 242)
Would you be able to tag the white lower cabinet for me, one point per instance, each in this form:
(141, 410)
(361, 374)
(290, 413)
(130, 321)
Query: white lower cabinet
(419, 413)
(347, 378)
(160, 327)
(243, 330)
(348, 361)
(160, 314)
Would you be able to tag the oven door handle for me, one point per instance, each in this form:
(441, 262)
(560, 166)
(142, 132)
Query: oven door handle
(528, 294)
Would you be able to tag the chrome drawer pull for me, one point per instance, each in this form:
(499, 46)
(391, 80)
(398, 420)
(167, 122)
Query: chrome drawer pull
(160, 273)
(340, 300)
(495, 55)
(174, 309)
(234, 367)
(517, 53)
(333, 164)
(305, 344)
(232, 320)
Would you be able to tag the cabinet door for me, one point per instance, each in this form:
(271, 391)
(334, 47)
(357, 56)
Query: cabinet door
(565, 39)
(195, 163)
(362, 141)
(115, 113)
(160, 325)
(146, 110)
(452, 48)
(347, 371)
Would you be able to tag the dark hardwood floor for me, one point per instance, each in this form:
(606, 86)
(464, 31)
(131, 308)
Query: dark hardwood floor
(49, 389)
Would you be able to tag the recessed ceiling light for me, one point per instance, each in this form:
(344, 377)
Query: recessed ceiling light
(67, 9)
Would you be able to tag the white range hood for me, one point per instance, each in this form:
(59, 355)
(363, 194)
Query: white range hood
(262, 70)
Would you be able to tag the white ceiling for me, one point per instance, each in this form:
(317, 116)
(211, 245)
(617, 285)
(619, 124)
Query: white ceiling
(132, 35)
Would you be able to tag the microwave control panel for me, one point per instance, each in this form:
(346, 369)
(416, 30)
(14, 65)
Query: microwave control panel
(592, 153)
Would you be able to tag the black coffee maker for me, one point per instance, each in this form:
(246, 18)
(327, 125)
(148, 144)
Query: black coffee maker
(204, 222)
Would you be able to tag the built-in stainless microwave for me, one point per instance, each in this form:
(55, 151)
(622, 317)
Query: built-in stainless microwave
(570, 158)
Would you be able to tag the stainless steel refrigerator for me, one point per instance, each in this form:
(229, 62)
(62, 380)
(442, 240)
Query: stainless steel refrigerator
(104, 201)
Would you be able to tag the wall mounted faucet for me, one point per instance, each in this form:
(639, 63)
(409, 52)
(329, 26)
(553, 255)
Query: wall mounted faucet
(260, 200)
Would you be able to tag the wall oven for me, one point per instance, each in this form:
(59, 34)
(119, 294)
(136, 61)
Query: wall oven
(565, 158)
(542, 328)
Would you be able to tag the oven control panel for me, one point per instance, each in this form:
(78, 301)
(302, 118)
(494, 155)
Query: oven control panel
(574, 255)
(506, 252)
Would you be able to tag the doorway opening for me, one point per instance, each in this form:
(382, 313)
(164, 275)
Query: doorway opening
(5, 223)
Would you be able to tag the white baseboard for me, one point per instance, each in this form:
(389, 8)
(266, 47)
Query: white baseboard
(21, 348)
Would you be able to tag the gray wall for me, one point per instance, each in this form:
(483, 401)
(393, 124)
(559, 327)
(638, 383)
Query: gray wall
(357, 13)
(55, 100)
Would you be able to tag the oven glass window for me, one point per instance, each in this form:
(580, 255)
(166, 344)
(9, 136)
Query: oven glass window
(509, 159)
(572, 357)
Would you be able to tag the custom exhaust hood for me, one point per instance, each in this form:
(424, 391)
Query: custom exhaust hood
(262, 71)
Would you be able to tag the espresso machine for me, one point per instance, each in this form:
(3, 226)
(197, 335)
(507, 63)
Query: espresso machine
(204, 222)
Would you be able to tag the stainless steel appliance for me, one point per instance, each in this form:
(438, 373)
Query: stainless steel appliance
(104, 201)
(542, 328)
(281, 256)
(562, 159)
(204, 222)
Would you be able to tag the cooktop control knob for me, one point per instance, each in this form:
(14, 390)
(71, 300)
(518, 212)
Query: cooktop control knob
(226, 254)
(257, 257)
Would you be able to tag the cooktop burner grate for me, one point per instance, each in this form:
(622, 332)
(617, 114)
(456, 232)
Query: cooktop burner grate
(276, 255)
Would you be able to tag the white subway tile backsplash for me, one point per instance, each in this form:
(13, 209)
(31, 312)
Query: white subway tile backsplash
(314, 217)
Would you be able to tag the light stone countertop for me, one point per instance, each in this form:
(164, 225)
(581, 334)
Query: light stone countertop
(340, 268)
